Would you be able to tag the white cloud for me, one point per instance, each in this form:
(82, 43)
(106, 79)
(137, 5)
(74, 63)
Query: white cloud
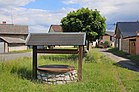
(113, 10)
(37, 19)
(40, 20)
(14, 3)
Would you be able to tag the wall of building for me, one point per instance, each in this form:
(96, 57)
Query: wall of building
(51, 30)
(106, 38)
(137, 45)
(1, 46)
(125, 45)
(6, 47)
(17, 47)
(109, 39)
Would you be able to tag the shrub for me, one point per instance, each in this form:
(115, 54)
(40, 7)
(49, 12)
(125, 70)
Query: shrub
(107, 44)
(93, 56)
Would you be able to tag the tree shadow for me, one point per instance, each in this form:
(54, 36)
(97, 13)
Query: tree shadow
(128, 65)
(115, 51)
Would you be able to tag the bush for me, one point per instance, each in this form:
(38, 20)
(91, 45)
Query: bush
(93, 57)
(107, 44)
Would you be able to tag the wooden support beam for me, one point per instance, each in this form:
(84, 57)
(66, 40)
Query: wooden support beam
(80, 63)
(58, 51)
(34, 67)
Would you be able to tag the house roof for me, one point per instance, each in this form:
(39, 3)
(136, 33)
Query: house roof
(128, 29)
(13, 40)
(56, 28)
(63, 39)
(109, 33)
(13, 29)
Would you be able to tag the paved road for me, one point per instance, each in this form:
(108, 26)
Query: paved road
(12, 56)
(126, 63)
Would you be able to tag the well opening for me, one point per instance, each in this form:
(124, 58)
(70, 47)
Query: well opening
(57, 74)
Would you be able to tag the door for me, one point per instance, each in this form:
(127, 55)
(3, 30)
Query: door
(1, 47)
(132, 47)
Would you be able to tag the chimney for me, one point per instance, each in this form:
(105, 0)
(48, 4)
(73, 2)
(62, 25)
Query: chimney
(3, 22)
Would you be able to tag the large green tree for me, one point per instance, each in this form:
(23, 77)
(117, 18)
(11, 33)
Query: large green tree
(85, 20)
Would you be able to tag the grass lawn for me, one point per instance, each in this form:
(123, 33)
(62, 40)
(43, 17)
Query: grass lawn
(21, 51)
(99, 75)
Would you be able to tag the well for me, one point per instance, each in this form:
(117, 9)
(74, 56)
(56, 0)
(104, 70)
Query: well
(56, 39)
(57, 74)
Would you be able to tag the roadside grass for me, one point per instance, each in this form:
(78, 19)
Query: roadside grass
(134, 58)
(21, 51)
(99, 75)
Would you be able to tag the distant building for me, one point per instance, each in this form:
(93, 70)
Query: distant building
(55, 28)
(127, 37)
(12, 37)
(108, 36)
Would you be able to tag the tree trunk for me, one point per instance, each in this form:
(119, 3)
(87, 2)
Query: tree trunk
(87, 45)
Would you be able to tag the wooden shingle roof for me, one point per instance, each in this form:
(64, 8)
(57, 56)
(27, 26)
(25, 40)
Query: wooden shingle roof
(13, 29)
(63, 39)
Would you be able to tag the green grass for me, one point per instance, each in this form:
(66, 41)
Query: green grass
(99, 75)
(134, 58)
(21, 51)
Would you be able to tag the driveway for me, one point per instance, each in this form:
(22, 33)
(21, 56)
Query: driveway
(12, 56)
(126, 63)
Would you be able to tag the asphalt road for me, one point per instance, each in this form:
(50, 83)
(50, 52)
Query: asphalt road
(126, 63)
(12, 56)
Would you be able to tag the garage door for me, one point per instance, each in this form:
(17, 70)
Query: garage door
(1, 47)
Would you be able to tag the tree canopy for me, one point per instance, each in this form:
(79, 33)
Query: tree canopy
(85, 20)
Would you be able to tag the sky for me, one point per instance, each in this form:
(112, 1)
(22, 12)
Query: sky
(40, 14)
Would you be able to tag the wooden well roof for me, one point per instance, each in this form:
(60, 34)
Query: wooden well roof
(62, 39)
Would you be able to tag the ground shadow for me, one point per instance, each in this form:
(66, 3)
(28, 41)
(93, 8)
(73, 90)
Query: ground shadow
(115, 51)
(126, 64)
(120, 54)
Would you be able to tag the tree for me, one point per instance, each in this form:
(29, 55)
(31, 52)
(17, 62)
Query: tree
(85, 20)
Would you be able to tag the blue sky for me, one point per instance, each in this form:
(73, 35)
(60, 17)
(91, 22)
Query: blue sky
(40, 14)
(51, 5)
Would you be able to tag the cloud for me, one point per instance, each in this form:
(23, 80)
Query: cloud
(37, 19)
(15, 3)
(113, 10)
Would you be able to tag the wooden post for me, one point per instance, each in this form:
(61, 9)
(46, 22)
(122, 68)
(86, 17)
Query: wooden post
(80, 63)
(34, 69)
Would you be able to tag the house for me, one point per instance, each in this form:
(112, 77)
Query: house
(55, 28)
(127, 37)
(109, 36)
(12, 37)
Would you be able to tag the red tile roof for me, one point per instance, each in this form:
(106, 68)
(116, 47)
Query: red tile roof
(56, 28)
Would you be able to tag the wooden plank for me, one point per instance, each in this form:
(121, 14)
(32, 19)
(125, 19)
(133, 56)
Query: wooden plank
(80, 63)
(58, 51)
(34, 69)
